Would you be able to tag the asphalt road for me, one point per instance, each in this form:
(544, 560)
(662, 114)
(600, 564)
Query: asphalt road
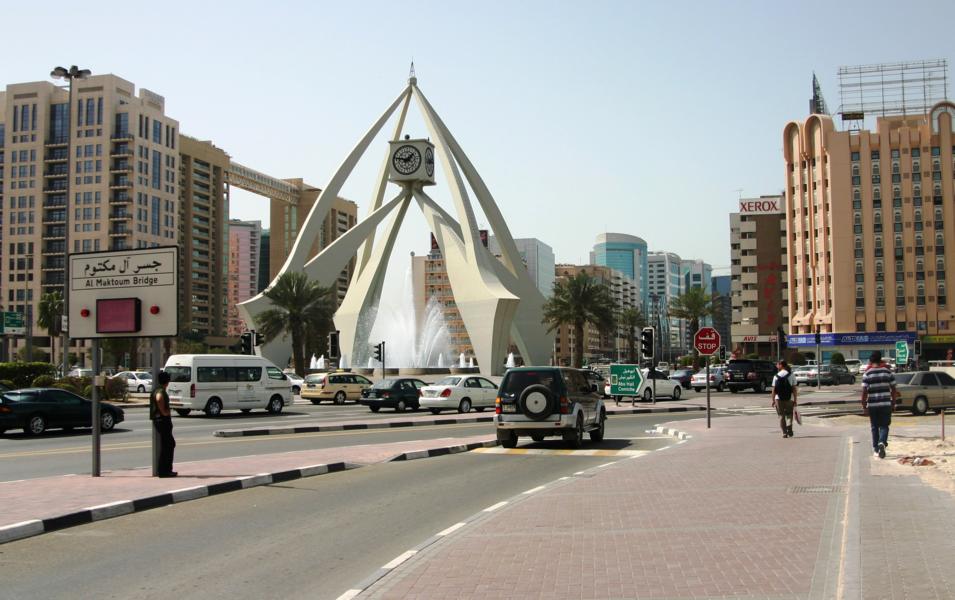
(310, 538)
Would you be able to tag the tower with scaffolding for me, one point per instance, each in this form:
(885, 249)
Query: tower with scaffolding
(889, 89)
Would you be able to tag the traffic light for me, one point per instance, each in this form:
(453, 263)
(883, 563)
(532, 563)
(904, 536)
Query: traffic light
(722, 353)
(781, 337)
(379, 351)
(818, 339)
(646, 342)
(917, 347)
(246, 340)
(333, 349)
(257, 338)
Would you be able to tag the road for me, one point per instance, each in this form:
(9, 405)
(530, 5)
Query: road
(310, 538)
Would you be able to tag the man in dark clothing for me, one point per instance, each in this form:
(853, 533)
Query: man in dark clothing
(878, 396)
(784, 398)
(162, 422)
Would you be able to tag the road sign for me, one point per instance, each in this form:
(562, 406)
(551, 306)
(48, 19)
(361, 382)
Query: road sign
(13, 323)
(625, 380)
(706, 341)
(901, 352)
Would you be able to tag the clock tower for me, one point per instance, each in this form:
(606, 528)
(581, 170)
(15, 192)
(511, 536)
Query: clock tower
(412, 161)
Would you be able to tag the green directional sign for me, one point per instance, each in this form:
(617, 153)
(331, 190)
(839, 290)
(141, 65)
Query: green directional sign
(13, 323)
(625, 380)
(901, 352)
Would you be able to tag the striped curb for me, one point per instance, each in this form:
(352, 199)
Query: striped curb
(347, 427)
(669, 431)
(444, 451)
(613, 410)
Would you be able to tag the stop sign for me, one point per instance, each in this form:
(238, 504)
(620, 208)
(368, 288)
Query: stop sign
(706, 341)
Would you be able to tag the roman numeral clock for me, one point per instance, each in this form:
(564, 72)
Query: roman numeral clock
(412, 161)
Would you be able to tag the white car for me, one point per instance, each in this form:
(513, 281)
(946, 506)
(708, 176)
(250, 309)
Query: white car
(137, 381)
(665, 386)
(295, 381)
(698, 382)
(460, 393)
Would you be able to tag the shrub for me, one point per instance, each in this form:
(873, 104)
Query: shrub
(44, 381)
(9, 383)
(66, 385)
(22, 374)
(837, 358)
(88, 391)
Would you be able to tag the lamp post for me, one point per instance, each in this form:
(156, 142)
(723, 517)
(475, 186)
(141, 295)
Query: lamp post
(69, 75)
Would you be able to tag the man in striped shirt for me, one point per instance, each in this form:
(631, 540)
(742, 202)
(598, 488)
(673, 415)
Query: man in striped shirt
(878, 396)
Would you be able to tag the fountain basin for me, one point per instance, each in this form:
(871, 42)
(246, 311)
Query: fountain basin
(416, 371)
(464, 370)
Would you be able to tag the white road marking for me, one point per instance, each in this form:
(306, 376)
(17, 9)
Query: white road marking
(494, 507)
(537, 489)
(349, 594)
(452, 529)
(400, 559)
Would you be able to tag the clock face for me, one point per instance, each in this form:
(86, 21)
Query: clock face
(429, 162)
(406, 160)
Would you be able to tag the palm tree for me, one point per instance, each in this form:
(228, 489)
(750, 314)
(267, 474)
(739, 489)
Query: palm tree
(693, 306)
(50, 317)
(632, 319)
(576, 301)
(301, 307)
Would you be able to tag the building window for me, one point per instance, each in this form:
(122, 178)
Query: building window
(860, 326)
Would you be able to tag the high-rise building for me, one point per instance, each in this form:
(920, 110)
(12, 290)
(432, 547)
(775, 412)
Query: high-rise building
(244, 243)
(120, 170)
(721, 291)
(538, 259)
(627, 254)
(870, 217)
(665, 282)
(264, 258)
(759, 275)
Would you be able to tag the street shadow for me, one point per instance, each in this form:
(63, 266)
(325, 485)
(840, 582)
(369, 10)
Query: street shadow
(227, 416)
(59, 433)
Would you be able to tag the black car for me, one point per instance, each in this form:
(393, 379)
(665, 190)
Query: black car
(399, 393)
(37, 409)
(746, 373)
(683, 377)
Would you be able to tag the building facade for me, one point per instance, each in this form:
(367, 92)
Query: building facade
(721, 291)
(627, 254)
(245, 238)
(111, 185)
(538, 259)
(665, 282)
(760, 282)
(871, 227)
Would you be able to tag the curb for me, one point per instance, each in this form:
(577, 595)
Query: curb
(669, 431)
(642, 411)
(346, 427)
(92, 514)
(444, 451)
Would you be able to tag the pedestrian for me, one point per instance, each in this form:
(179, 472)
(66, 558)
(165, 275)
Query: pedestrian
(878, 398)
(784, 397)
(162, 422)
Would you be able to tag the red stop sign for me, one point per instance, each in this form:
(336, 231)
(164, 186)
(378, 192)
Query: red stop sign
(706, 341)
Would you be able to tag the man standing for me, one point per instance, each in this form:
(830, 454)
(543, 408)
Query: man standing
(878, 397)
(162, 422)
(784, 398)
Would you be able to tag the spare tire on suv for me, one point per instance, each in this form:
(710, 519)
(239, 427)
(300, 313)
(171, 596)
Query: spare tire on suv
(537, 402)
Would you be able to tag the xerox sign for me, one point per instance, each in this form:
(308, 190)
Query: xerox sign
(761, 206)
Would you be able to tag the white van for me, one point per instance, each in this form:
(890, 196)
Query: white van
(217, 382)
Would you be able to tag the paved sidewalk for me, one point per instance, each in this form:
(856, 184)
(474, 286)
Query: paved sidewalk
(34, 506)
(736, 511)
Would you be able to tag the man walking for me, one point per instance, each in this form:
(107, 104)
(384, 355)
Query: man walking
(878, 397)
(162, 422)
(784, 398)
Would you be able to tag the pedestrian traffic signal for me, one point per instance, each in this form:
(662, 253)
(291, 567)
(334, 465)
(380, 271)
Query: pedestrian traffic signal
(646, 342)
(333, 349)
(379, 351)
(246, 340)
(917, 347)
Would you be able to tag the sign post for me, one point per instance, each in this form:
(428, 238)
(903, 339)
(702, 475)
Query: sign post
(901, 353)
(707, 343)
(122, 294)
(625, 380)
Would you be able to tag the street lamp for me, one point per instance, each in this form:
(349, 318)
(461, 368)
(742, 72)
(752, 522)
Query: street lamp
(69, 75)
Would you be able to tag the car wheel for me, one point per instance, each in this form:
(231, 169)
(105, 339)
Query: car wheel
(719, 387)
(537, 437)
(401, 406)
(275, 405)
(374, 408)
(465, 406)
(760, 387)
(213, 407)
(697, 390)
(853, 380)
(107, 421)
(246, 411)
(340, 397)
(2, 431)
(597, 435)
(920, 406)
(296, 390)
(648, 395)
(676, 392)
(141, 389)
(35, 425)
(435, 411)
(479, 408)
(183, 412)
(508, 439)
(316, 401)
(575, 437)
(734, 391)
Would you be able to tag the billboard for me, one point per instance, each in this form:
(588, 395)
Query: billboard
(767, 205)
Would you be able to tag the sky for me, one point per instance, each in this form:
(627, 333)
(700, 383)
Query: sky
(582, 117)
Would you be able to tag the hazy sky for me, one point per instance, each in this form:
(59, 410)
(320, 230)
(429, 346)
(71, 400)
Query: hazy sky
(582, 117)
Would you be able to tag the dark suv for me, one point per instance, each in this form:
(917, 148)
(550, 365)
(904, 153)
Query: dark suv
(548, 401)
(743, 373)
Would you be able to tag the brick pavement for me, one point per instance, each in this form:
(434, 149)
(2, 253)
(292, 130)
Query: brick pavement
(737, 511)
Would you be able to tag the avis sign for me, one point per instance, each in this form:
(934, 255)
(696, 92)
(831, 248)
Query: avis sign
(706, 341)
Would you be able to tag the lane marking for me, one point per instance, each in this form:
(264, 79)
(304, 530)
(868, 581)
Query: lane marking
(452, 529)
(400, 559)
(604, 465)
(494, 507)
(840, 585)
(349, 594)
(537, 489)
(555, 452)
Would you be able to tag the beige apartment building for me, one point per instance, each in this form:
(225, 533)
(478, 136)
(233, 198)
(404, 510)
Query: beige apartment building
(120, 171)
(759, 280)
(871, 228)
(244, 246)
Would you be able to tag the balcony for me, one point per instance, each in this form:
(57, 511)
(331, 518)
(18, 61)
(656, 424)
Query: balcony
(122, 136)
(54, 232)
(121, 150)
(56, 201)
(54, 217)
(53, 279)
(121, 166)
(58, 171)
(54, 248)
(55, 186)
(54, 264)
(121, 198)
(120, 182)
(60, 140)
(57, 155)
(120, 215)
(120, 230)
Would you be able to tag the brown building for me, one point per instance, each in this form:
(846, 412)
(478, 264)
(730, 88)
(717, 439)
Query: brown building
(759, 284)
(871, 226)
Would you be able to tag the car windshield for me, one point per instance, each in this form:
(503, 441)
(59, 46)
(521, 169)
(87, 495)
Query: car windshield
(314, 378)
(385, 384)
(179, 374)
(740, 365)
(904, 378)
(517, 381)
(682, 373)
(143, 375)
(448, 381)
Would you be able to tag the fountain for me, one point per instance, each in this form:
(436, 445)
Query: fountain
(343, 363)
(441, 361)
(510, 360)
(461, 363)
(320, 363)
(313, 364)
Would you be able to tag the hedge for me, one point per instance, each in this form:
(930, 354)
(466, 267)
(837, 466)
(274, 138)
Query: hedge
(22, 374)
